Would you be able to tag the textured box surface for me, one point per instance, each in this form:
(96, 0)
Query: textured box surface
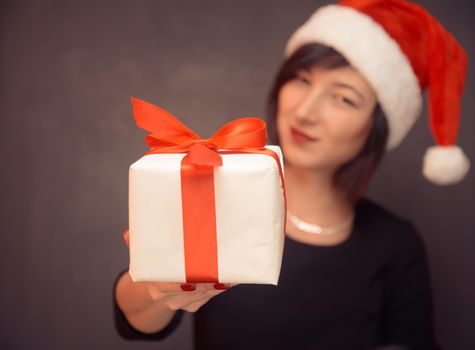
(249, 218)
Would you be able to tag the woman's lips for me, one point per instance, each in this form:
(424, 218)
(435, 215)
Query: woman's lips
(300, 138)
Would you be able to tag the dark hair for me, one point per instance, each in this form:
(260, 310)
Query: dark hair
(354, 176)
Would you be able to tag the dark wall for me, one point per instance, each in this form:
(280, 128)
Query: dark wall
(67, 137)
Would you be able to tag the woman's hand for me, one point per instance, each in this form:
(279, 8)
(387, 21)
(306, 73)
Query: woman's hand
(185, 296)
(188, 296)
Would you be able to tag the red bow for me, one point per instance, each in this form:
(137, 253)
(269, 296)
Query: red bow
(168, 135)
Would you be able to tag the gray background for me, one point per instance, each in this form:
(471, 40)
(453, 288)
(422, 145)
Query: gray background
(67, 137)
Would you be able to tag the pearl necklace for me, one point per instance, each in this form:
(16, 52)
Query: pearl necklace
(315, 229)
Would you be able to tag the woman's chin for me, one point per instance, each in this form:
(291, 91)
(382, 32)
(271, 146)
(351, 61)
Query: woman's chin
(304, 163)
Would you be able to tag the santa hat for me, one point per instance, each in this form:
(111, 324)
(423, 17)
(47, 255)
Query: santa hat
(401, 50)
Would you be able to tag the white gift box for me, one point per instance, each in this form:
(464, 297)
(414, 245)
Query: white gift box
(250, 216)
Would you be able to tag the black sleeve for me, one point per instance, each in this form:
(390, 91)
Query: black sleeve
(408, 318)
(125, 330)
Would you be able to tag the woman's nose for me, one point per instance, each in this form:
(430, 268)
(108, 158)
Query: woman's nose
(307, 111)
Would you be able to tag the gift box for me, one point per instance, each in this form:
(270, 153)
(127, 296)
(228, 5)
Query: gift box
(205, 210)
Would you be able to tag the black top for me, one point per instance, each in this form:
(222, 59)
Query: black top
(369, 291)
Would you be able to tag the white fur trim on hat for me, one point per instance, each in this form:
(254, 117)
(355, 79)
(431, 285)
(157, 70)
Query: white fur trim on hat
(377, 56)
(445, 165)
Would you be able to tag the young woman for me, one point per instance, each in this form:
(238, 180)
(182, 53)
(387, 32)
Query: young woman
(354, 276)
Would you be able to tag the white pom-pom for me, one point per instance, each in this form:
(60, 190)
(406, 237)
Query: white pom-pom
(445, 165)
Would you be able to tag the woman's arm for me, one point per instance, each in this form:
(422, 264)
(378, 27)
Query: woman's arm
(149, 307)
(142, 312)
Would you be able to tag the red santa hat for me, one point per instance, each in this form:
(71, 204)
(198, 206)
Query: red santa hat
(401, 50)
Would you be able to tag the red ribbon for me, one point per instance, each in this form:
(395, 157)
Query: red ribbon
(169, 135)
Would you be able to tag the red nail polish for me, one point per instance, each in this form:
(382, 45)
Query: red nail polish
(187, 287)
(220, 286)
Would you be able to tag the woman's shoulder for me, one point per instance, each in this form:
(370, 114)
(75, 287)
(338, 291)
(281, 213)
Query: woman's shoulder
(374, 218)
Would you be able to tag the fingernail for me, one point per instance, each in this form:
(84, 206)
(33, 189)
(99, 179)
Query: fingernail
(220, 286)
(187, 287)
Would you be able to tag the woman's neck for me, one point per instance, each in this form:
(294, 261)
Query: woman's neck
(312, 196)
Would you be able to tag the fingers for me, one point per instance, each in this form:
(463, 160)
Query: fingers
(154, 292)
(193, 307)
(125, 236)
(185, 296)
(221, 286)
(210, 290)
(173, 287)
(190, 303)
(188, 287)
(177, 288)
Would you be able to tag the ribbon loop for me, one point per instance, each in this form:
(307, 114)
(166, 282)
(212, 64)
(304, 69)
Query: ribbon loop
(167, 131)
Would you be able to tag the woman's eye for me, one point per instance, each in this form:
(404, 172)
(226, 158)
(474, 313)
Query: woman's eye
(302, 78)
(348, 101)
(345, 100)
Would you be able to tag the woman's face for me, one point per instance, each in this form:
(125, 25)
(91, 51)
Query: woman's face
(324, 117)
